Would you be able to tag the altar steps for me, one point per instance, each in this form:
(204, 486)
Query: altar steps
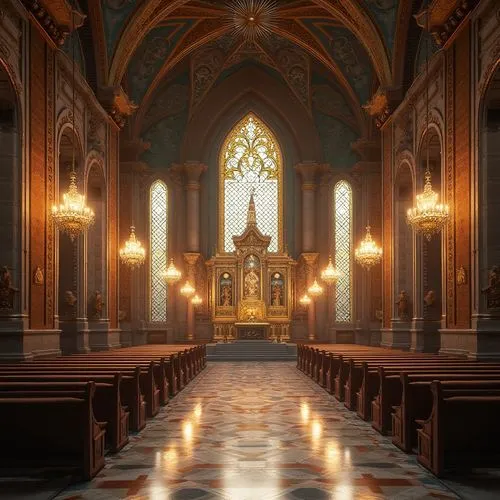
(251, 350)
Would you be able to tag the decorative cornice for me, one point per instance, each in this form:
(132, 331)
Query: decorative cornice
(117, 104)
(54, 21)
(445, 31)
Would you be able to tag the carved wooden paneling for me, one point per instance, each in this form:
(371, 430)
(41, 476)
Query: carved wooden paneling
(37, 153)
(462, 171)
(387, 224)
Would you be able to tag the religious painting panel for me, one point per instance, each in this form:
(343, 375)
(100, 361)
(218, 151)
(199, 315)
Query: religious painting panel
(226, 290)
(277, 291)
(252, 277)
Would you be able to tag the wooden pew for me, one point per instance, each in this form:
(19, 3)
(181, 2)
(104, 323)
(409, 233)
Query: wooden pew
(462, 429)
(146, 377)
(363, 379)
(416, 402)
(56, 431)
(130, 392)
(106, 403)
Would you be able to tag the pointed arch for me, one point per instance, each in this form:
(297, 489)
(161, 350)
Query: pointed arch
(343, 222)
(250, 161)
(158, 251)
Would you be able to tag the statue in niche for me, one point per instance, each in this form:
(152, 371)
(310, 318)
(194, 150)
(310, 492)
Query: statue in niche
(226, 290)
(7, 291)
(492, 291)
(70, 303)
(277, 289)
(430, 298)
(252, 279)
(97, 305)
(403, 303)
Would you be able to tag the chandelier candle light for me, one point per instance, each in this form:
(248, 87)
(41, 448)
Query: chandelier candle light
(368, 254)
(330, 275)
(315, 290)
(196, 300)
(73, 216)
(187, 289)
(428, 216)
(172, 275)
(305, 300)
(133, 253)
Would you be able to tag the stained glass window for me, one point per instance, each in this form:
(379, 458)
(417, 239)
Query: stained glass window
(158, 251)
(250, 163)
(342, 211)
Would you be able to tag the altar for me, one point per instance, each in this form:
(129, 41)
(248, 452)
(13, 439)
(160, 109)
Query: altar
(250, 289)
(252, 331)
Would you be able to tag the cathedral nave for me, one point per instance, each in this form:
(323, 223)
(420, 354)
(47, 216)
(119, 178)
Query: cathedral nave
(249, 249)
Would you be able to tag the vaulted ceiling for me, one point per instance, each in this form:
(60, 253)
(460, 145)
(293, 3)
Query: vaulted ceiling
(169, 56)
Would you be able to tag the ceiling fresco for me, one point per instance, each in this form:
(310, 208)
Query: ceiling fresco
(115, 14)
(384, 13)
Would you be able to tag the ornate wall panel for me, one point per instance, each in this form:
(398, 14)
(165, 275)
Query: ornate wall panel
(38, 151)
(387, 179)
(462, 123)
(112, 182)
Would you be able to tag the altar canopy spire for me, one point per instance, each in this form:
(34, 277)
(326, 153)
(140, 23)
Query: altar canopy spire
(252, 215)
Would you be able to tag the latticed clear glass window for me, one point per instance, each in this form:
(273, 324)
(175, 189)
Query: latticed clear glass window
(343, 222)
(250, 162)
(158, 251)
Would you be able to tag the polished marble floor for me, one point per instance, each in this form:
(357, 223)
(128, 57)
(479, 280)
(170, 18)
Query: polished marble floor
(258, 431)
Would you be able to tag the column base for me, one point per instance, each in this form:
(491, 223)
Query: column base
(341, 335)
(362, 336)
(74, 336)
(425, 336)
(480, 345)
(102, 337)
(396, 337)
(160, 335)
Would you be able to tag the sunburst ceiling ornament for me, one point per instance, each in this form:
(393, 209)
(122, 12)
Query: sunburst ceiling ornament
(252, 19)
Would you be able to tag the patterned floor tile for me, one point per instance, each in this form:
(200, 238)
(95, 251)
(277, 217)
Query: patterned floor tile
(258, 431)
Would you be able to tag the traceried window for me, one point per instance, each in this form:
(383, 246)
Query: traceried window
(250, 162)
(342, 225)
(158, 250)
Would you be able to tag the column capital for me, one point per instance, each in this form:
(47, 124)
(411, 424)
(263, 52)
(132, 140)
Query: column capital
(191, 171)
(191, 258)
(310, 258)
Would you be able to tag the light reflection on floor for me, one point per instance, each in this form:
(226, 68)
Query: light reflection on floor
(258, 431)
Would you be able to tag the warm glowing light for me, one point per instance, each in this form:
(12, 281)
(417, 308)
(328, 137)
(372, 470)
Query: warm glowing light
(196, 300)
(316, 430)
(133, 253)
(187, 289)
(315, 290)
(172, 274)
(368, 254)
(429, 216)
(305, 300)
(305, 412)
(73, 217)
(187, 431)
(198, 411)
(330, 274)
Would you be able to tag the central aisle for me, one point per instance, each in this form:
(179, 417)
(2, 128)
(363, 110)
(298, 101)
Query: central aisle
(258, 431)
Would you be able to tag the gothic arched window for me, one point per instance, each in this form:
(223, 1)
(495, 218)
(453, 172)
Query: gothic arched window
(342, 249)
(158, 250)
(250, 162)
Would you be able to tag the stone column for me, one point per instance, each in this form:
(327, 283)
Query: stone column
(311, 260)
(193, 172)
(191, 259)
(308, 173)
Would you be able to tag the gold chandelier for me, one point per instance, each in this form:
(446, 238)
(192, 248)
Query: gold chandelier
(429, 216)
(187, 289)
(305, 300)
(315, 290)
(330, 275)
(196, 300)
(73, 216)
(133, 253)
(172, 275)
(368, 253)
